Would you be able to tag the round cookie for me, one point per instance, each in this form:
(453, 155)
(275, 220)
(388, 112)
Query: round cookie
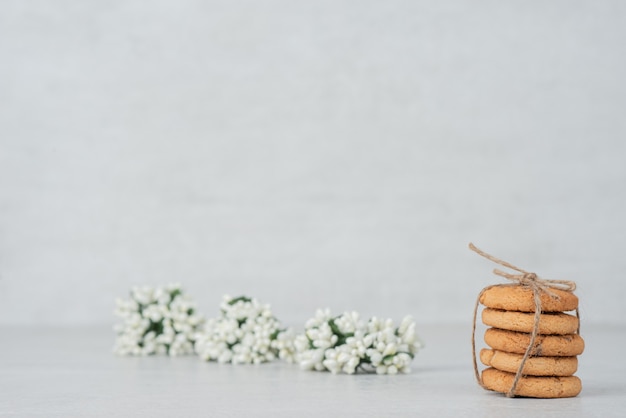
(534, 366)
(532, 386)
(549, 323)
(520, 298)
(545, 345)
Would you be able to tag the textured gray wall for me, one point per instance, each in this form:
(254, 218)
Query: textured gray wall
(335, 153)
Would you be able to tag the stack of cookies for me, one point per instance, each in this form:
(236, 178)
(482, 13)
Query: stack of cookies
(548, 372)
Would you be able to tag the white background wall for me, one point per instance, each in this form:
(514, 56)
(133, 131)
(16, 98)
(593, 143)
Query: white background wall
(327, 153)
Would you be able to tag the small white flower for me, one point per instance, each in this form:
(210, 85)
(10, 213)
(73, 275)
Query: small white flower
(245, 333)
(156, 321)
(346, 344)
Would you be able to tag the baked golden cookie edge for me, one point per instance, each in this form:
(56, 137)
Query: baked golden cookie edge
(520, 298)
(534, 366)
(532, 386)
(545, 345)
(549, 323)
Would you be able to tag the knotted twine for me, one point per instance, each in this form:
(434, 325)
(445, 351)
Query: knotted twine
(534, 283)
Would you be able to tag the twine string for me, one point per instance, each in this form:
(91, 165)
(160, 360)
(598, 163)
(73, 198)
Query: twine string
(537, 285)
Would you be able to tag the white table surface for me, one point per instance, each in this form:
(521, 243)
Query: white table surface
(71, 372)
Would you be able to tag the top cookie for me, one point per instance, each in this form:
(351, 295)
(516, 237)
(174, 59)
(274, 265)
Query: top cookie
(520, 298)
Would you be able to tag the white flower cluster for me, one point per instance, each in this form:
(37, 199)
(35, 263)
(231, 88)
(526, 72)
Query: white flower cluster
(159, 320)
(346, 343)
(246, 332)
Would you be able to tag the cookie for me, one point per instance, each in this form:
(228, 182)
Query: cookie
(520, 298)
(532, 386)
(549, 323)
(545, 345)
(534, 366)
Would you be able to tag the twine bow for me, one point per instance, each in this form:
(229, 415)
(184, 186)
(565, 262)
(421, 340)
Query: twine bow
(537, 285)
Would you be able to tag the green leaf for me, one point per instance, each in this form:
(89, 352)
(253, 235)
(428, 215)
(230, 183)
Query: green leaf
(341, 337)
(388, 357)
(344, 338)
(334, 328)
(157, 327)
(239, 299)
